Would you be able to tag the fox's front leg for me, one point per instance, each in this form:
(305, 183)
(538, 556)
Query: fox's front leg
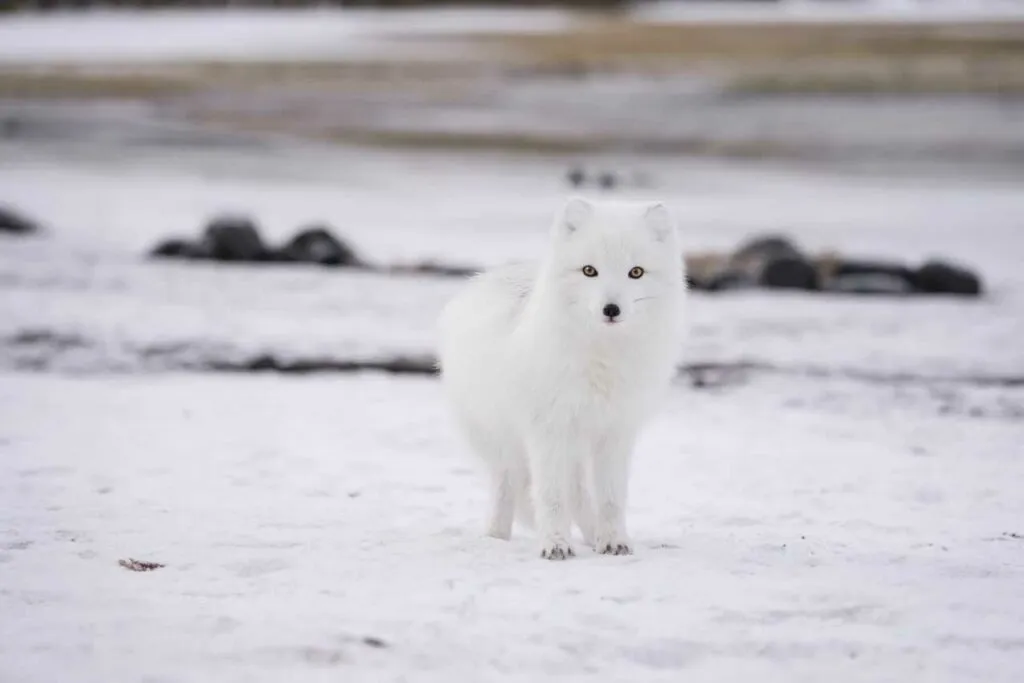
(551, 467)
(610, 472)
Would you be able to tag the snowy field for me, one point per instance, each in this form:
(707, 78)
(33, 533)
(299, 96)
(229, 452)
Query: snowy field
(87, 281)
(859, 523)
(842, 504)
(786, 531)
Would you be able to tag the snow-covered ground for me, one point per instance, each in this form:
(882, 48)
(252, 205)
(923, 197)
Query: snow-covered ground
(790, 526)
(786, 531)
(87, 278)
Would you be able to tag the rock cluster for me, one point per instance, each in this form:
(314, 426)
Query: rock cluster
(775, 262)
(237, 238)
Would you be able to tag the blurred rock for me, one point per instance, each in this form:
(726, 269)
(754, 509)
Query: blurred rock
(789, 272)
(15, 223)
(576, 176)
(759, 250)
(318, 245)
(869, 283)
(179, 248)
(862, 267)
(607, 179)
(775, 262)
(730, 280)
(939, 277)
(702, 267)
(865, 277)
(233, 238)
(769, 261)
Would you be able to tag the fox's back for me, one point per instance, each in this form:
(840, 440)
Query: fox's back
(476, 326)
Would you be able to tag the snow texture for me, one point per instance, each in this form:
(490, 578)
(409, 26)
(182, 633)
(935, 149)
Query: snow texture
(785, 531)
(88, 279)
(789, 527)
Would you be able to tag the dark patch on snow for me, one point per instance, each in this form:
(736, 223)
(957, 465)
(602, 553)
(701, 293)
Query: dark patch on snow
(44, 350)
(139, 566)
(15, 223)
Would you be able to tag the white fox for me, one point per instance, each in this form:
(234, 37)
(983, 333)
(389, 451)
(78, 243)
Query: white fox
(552, 368)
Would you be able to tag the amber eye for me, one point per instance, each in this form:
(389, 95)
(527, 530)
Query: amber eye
(590, 271)
(636, 272)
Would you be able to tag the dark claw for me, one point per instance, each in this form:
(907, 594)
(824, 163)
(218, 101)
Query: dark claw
(617, 549)
(557, 553)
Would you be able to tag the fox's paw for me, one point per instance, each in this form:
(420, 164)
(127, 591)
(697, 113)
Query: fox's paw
(614, 546)
(556, 550)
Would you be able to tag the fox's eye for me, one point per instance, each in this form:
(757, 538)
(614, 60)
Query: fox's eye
(636, 272)
(590, 271)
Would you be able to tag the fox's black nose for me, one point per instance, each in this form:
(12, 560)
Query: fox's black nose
(611, 310)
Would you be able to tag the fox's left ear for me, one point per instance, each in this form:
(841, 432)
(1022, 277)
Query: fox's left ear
(658, 220)
(575, 215)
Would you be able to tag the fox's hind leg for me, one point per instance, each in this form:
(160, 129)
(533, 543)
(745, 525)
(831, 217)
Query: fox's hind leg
(505, 484)
(503, 504)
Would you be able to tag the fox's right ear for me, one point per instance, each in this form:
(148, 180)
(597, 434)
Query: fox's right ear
(574, 217)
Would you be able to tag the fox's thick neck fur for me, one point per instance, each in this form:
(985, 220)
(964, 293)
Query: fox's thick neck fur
(565, 307)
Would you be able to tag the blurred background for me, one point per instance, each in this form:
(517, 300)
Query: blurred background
(356, 161)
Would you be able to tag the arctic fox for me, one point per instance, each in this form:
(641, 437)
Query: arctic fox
(551, 369)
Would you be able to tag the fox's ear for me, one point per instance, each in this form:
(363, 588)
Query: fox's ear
(658, 220)
(574, 217)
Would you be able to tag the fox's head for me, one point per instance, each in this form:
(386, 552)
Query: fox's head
(615, 265)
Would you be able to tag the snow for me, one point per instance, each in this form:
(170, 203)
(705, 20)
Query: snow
(813, 11)
(248, 34)
(790, 526)
(89, 280)
(785, 531)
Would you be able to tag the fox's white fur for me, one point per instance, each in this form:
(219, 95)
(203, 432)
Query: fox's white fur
(549, 390)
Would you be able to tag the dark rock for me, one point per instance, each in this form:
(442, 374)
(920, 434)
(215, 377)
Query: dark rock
(867, 277)
(938, 277)
(862, 267)
(789, 272)
(764, 249)
(15, 223)
(233, 238)
(730, 279)
(576, 176)
(179, 248)
(607, 180)
(317, 245)
(772, 261)
(851, 276)
(869, 283)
